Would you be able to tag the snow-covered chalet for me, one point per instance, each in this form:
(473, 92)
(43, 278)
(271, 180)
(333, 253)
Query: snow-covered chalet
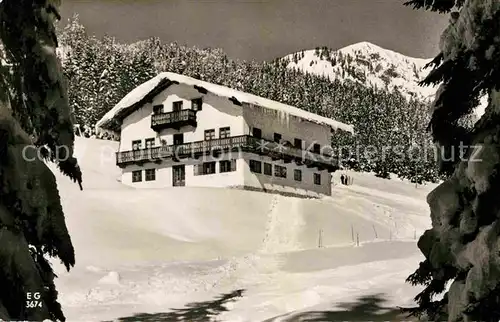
(179, 131)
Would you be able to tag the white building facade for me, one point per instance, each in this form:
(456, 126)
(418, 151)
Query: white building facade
(178, 131)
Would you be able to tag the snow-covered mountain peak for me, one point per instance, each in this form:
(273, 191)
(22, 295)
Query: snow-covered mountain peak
(369, 49)
(368, 64)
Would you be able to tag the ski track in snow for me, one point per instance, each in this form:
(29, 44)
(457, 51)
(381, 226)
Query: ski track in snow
(282, 269)
(283, 227)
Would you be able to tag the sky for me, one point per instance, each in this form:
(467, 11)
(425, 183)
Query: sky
(264, 29)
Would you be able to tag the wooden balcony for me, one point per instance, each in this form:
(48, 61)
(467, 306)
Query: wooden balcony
(244, 143)
(173, 120)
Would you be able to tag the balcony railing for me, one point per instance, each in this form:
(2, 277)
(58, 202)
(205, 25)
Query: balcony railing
(174, 120)
(244, 143)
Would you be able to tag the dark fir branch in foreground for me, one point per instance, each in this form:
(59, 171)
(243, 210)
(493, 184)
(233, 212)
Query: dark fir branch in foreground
(34, 110)
(463, 246)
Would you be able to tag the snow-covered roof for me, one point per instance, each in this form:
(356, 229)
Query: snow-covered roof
(147, 91)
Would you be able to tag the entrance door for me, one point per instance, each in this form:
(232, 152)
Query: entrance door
(179, 175)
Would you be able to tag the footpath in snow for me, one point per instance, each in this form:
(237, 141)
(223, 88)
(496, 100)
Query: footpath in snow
(151, 251)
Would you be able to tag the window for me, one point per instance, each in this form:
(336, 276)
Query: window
(136, 145)
(205, 168)
(137, 176)
(150, 143)
(227, 166)
(297, 175)
(209, 168)
(209, 134)
(297, 143)
(178, 139)
(197, 104)
(224, 132)
(256, 132)
(316, 148)
(317, 178)
(255, 166)
(157, 109)
(268, 169)
(279, 171)
(150, 174)
(177, 106)
(277, 137)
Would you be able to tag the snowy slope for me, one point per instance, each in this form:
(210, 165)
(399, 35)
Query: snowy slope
(372, 66)
(152, 250)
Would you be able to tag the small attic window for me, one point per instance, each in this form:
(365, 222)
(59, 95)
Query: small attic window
(197, 104)
(157, 109)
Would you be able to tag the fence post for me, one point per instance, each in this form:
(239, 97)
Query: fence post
(352, 233)
(320, 239)
(357, 239)
(375, 231)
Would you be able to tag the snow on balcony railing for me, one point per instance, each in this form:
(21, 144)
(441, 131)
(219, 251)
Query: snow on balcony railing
(162, 119)
(244, 143)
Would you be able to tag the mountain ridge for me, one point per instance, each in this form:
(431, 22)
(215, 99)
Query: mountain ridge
(368, 64)
(372, 66)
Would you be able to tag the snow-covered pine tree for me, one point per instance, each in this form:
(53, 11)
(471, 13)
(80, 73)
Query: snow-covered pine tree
(32, 100)
(442, 6)
(463, 246)
(81, 69)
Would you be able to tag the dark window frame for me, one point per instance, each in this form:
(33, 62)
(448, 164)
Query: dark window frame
(175, 136)
(297, 175)
(317, 179)
(136, 145)
(298, 143)
(280, 171)
(226, 166)
(256, 132)
(158, 109)
(137, 176)
(224, 132)
(197, 104)
(255, 166)
(209, 168)
(268, 169)
(177, 106)
(148, 176)
(211, 131)
(146, 141)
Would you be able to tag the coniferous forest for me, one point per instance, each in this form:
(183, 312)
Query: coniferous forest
(391, 130)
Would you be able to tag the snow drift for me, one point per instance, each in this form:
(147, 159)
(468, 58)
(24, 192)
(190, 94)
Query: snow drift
(112, 223)
(150, 250)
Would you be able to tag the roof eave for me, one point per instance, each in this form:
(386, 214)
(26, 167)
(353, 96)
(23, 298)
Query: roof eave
(114, 123)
